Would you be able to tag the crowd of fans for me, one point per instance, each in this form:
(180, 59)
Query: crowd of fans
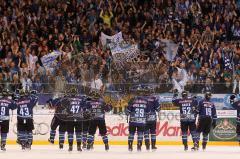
(207, 32)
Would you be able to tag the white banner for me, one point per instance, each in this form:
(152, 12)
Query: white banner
(170, 49)
(115, 39)
(49, 59)
(125, 53)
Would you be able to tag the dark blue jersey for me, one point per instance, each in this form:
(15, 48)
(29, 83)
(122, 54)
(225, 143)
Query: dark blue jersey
(154, 107)
(236, 105)
(138, 110)
(77, 107)
(25, 106)
(54, 102)
(98, 108)
(5, 105)
(188, 107)
(207, 108)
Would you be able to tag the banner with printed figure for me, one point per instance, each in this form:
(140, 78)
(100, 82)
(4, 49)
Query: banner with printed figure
(49, 60)
(224, 131)
(125, 53)
(115, 39)
(170, 48)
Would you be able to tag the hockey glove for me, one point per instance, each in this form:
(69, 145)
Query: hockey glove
(232, 97)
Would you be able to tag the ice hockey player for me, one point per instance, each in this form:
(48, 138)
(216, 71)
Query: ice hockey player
(137, 110)
(151, 122)
(15, 97)
(97, 107)
(207, 118)
(188, 113)
(59, 120)
(6, 105)
(25, 105)
(52, 104)
(236, 105)
(75, 120)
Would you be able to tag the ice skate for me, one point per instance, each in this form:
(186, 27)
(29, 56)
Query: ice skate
(84, 147)
(3, 148)
(51, 141)
(23, 147)
(154, 148)
(106, 147)
(70, 148)
(79, 148)
(204, 146)
(28, 146)
(139, 147)
(89, 147)
(60, 146)
(147, 146)
(130, 147)
(195, 147)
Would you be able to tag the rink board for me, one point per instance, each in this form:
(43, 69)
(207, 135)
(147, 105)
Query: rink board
(168, 129)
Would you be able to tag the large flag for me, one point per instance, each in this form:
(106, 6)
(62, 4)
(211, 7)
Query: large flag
(112, 40)
(49, 60)
(170, 49)
(127, 53)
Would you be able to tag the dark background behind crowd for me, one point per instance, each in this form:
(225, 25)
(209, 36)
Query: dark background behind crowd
(207, 32)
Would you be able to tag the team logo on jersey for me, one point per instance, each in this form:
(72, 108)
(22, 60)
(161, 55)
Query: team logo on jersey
(225, 130)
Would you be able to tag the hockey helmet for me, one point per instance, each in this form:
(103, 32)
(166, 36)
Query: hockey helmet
(184, 94)
(95, 94)
(73, 91)
(208, 95)
(5, 92)
(22, 92)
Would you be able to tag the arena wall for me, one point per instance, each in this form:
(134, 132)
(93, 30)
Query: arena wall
(168, 130)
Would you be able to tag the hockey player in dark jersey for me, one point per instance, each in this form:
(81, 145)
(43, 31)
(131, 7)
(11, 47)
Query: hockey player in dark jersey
(97, 108)
(151, 122)
(137, 110)
(52, 104)
(15, 97)
(25, 105)
(6, 105)
(188, 113)
(75, 119)
(207, 118)
(60, 105)
(236, 105)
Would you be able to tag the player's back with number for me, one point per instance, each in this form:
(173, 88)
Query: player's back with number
(207, 108)
(98, 108)
(187, 108)
(6, 105)
(25, 106)
(138, 110)
(154, 107)
(77, 106)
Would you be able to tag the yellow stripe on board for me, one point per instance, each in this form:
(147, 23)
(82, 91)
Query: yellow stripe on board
(168, 143)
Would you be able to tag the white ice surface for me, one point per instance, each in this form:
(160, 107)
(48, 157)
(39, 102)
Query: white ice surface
(120, 152)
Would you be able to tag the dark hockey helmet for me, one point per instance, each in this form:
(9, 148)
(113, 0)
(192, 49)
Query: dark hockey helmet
(22, 93)
(139, 90)
(184, 94)
(73, 91)
(208, 95)
(94, 94)
(149, 89)
(232, 98)
(5, 92)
